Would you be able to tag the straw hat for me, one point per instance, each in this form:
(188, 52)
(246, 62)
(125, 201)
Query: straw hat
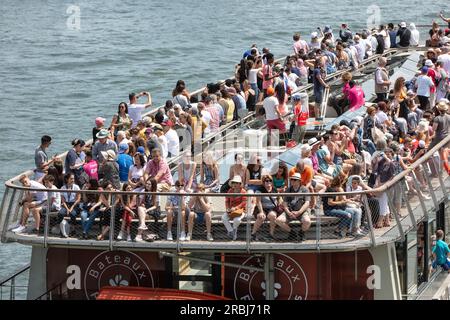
(442, 106)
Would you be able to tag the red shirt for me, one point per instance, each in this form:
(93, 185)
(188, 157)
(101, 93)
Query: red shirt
(301, 116)
(237, 202)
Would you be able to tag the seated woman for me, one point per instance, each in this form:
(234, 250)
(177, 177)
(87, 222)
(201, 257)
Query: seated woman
(266, 207)
(254, 169)
(177, 205)
(200, 209)
(235, 206)
(335, 206)
(280, 178)
(187, 172)
(90, 206)
(70, 202)
(129, 203)
(105, 211)
(136, 173)
(209, 173)
(239, 169)
(147, 204)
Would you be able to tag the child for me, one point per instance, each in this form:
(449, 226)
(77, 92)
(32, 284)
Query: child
(301, 115)
(440, 252)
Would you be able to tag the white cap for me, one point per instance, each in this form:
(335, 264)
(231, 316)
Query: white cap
(314, 35)
(236, 178)
(429, 63)
(403, 24)
(421, 144)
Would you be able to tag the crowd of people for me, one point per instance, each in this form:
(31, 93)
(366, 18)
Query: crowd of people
(408, 118)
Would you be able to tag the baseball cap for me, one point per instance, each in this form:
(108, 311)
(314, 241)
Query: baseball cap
(403, 24)
(296, 176)
(123, 147)
(424, 69)
(141, 150)
(429, 63)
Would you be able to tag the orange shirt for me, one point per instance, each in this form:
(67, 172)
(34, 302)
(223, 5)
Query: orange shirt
(306, 175)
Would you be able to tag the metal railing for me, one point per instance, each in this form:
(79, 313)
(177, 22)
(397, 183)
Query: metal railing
(11, 284)
(364, 223)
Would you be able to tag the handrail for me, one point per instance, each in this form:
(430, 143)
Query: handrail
(15, 274)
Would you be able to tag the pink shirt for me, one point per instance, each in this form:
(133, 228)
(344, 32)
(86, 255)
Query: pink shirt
(153, 168)
(345, 89)
(91, 169)
(356, 98)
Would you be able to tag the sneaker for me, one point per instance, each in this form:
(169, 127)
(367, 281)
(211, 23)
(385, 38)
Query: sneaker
(144, 227)
(188, 237)
(13, 226)
(138, 238)
(234, 234)
(358, 234)
(129, 238)
(209, 237)
(169, 236)
(183, 236)
(120, 236)
(19, 229)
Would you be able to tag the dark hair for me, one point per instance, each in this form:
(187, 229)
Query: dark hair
(280, 92)
(46, 139)
(76, 142)
(193, 99)
(131, 96)
(351, 83)
(159, 117)
(141, 158)
(67, 176)
(93, 184)
(391, 25)
(126, 107)
(49, 178)
(89, 153)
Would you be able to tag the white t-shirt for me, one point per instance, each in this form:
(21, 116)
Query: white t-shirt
(37, 195)
(69, 196)
(173, 142)
(269, 105)
(381, 117)
(253, 76)
(206, 116)
(387, 39)
(56, 199)
(164, 147)
(423, 85)
(135, 112)
(136, 173)
(445, 58)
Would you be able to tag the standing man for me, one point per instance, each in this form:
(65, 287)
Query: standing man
(424, 84)
(103, 143)
(405, 36)
(41, 159)
(135, 109)
(319, 76)
(345, 34)
(382, 80)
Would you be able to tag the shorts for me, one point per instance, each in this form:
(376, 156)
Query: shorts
(303, 218)
(318, 95)
(199, 217)
(276, 124)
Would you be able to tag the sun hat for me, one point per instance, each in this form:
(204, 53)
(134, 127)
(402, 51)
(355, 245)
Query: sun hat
(102, 134)
(99, 121)
(296, 176)
(108, 155)
(313, 141)
(305, 148)
(422, 126)
(442, 106)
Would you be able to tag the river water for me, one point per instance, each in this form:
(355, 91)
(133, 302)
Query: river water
(63, 63)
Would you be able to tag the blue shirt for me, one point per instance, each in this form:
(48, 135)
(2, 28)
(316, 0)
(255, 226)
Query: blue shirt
(441, 250)
(125, 161)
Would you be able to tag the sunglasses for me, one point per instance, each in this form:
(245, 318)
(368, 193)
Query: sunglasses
(265, 181)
